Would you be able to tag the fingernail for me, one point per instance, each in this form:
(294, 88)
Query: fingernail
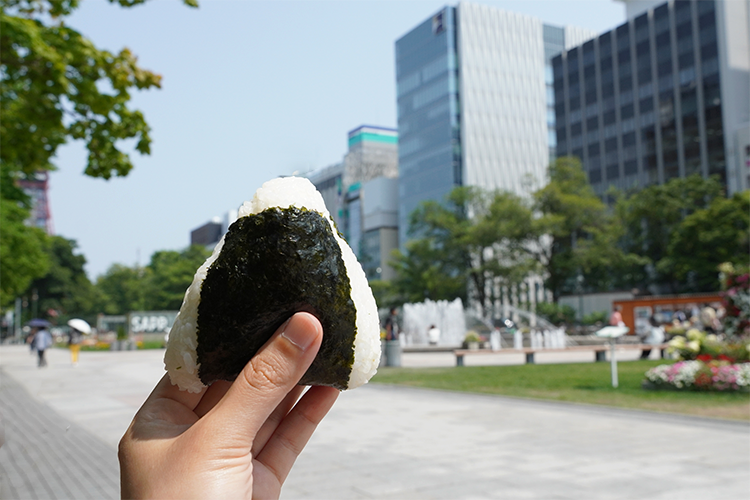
(299, 333)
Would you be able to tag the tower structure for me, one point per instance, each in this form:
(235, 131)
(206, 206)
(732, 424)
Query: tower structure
(36, 188)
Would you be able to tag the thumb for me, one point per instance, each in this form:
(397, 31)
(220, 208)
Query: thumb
(267, 379)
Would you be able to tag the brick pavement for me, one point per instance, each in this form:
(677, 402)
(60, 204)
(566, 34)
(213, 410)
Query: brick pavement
(45, 456)
(379, 441)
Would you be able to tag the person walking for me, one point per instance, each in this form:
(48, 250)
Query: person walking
(615, 318)
(391, 327)
(42, 341)
(74, 343)
(655, 336)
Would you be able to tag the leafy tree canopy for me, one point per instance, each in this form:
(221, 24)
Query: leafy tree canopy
(578, 233)
(64, 291)
(55, 85)
(707, 238)
(474, 237)
(23, 252)
(160, 285)
(120, 290)
(651, 218)
(169, 274)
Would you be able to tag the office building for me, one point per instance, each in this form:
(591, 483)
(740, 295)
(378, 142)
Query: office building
(360, 193)
(329, 181)
(209, 234)
(373, 224)
(475, 103)
(664, 95)
(373, 153)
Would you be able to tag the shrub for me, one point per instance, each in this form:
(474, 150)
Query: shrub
(697, 345)
(736, 300)
(555, 313)
(472, 336)
(595, 317)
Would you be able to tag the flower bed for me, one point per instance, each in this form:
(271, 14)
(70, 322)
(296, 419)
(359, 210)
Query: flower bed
(697, 375)
(703, 347)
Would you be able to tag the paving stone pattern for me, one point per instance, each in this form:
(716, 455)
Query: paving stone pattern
(62, 425)
(46, 457)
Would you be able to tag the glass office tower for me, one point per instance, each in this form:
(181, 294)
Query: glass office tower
(664, 95)
(475, 103)
(429, 146)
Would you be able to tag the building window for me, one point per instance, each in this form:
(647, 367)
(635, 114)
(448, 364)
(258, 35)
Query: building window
(687, 76)
(631, 167)
(595, 175)
(613, 171)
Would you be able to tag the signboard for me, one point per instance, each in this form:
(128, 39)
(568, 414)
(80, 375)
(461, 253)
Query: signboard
(151, 321)
(110, 323)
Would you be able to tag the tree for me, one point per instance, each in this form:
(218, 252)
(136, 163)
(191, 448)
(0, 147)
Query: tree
(160, 285)
(650, 218)
(468, 246)
(22, 249)
(55, 85)
(120, 290)
(169, 274)
(707, 238)
(425, 271)
(65, 290)
(578, 234)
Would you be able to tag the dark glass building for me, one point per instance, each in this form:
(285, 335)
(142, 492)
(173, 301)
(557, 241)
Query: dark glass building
(664, 95)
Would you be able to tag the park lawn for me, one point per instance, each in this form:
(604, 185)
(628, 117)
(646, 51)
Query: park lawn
(588, 383)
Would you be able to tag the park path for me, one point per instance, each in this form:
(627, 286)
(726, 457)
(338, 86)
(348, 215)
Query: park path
(379, 441)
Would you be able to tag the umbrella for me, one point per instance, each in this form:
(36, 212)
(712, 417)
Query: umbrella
(39, 323)
(613, 331)
(80, 325)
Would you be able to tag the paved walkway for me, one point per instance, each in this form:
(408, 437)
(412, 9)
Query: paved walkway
(378, 442)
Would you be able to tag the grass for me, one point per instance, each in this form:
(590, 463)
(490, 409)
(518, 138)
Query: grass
(589, 383)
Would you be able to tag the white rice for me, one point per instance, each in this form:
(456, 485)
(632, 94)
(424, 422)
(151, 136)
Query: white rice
(180, 358)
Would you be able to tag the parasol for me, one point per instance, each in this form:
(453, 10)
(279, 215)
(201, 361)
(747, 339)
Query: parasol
(80, 325)
(39, 323)
(612, 333)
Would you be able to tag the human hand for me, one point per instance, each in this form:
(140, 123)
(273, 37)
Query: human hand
(233, 439)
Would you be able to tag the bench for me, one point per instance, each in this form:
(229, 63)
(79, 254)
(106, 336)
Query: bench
(599, 351)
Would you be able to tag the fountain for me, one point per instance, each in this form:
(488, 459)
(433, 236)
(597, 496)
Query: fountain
(447, 316)
(542, 333)
(452, 321)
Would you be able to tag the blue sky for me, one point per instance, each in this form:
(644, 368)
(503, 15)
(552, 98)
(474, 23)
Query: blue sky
(251, 90)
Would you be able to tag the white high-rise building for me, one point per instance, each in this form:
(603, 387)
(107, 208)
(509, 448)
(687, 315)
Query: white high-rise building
(476, 103)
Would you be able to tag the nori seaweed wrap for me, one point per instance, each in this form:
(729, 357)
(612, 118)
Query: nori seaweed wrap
(282, 255)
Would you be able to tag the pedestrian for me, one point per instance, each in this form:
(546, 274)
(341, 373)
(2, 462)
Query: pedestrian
(74, 343)
(655, 336)
(433, 335)
(42, 341)
(391, 327)
(615, 319)
(30, 341)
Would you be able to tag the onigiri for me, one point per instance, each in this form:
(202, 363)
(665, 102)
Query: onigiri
(282, 255)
